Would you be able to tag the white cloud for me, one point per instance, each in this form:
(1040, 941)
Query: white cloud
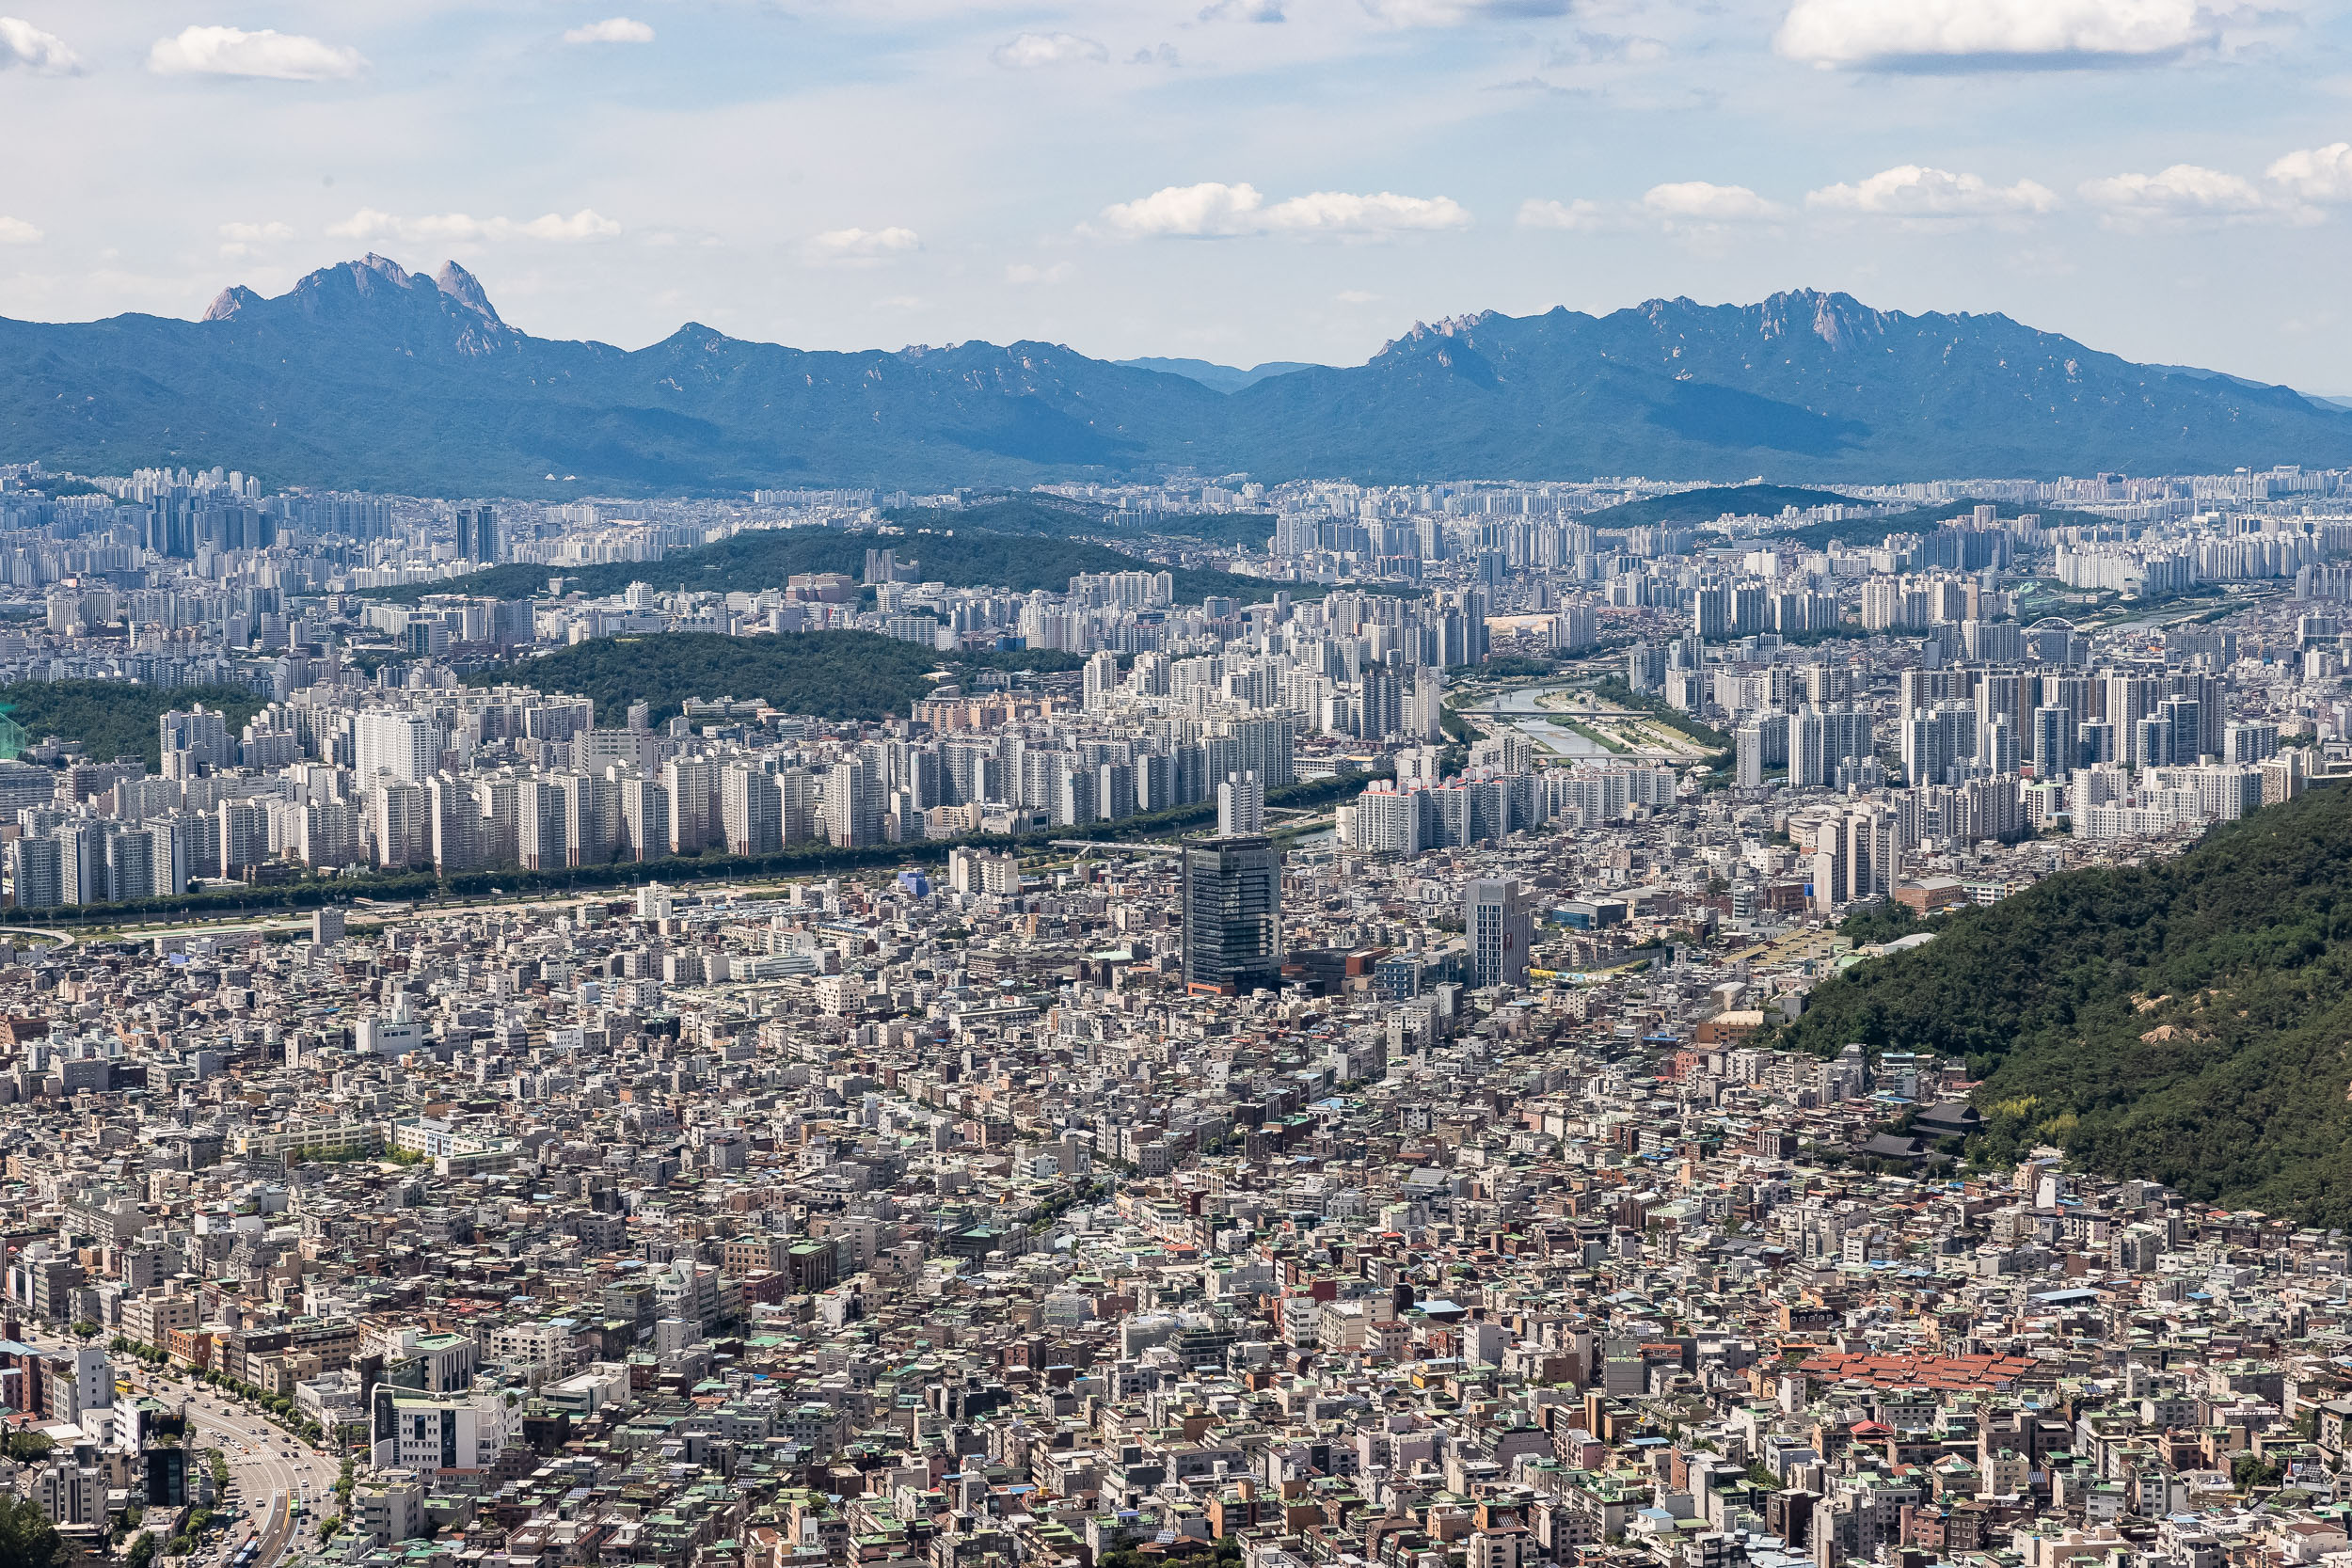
(1187, 211)
(1384, 213)
(228, 51)
(1909, 190)
(1032, 49)
(246, 239)
(2182, 193)
(2315, 173)
(1697, 201)
(612, 29)
(1579, 213)
(1355, 296)
(17, 232)
(369, 224)
(1022, 272)
(586, 224)
(25, 47)
(1915, 32)
(861, 247)
(365, 224)
(1243, 11)
(1214, 209)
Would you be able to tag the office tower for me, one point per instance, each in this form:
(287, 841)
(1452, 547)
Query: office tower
(1500, 928)
(478, 534)
(1240, 806)
(1232, 914)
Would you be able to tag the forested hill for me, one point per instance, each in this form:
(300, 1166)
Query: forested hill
(2188, 1023)
(760, 559)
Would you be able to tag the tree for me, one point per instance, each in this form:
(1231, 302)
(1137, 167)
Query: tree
(142, 1549)
(28, 1448)
(27, 1539)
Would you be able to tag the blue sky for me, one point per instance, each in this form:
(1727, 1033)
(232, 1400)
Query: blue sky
(1237, 179)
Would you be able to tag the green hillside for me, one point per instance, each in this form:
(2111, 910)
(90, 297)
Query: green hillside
(117, 719)
(840, 674)
(1704, 506)
(2188, 1022)
(1056, 518)
(768, 557)
(1921, 519)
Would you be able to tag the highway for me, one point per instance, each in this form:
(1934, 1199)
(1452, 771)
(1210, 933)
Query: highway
(268, 1467)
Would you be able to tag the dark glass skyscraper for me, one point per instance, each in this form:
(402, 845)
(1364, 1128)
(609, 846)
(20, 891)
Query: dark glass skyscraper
(1232, 916)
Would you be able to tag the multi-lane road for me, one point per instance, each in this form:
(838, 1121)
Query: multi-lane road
(269, 1468)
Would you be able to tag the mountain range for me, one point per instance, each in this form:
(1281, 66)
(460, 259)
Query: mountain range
(365, 375)
(1219, 378)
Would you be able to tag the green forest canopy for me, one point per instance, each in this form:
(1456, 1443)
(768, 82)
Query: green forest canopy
(117, 719)
(1704, 506)
(834, 675)
(1052, 516)
(768, 557)
(2188, 1022)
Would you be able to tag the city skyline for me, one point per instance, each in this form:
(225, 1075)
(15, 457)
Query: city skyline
(1200, 181)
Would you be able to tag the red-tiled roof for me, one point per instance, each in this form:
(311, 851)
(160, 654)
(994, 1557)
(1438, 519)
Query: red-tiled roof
(1924, 1371)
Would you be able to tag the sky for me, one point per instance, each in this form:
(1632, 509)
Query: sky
(1232, 180)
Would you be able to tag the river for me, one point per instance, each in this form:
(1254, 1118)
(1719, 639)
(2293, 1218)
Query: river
(1519, 709)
